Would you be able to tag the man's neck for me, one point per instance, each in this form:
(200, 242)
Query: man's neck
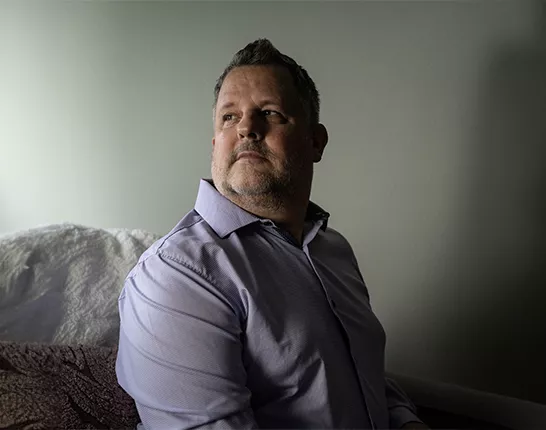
(289, 215)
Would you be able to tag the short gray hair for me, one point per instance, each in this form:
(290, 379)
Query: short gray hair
(261, 52)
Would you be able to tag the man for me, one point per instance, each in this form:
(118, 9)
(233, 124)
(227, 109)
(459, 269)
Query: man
(251, 312)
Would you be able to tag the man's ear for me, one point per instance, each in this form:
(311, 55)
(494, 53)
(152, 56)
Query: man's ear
(320, 139)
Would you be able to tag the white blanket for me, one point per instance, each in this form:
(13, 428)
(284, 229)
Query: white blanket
(60, 284)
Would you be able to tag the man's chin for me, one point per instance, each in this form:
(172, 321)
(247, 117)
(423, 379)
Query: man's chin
(246, 187)
(249, 180)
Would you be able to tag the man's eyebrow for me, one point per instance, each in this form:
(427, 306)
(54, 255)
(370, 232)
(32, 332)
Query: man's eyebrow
(262, 103)
(271, 102)
(226, 105)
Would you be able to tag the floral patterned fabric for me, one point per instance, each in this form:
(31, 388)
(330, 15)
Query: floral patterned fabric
(62, 387)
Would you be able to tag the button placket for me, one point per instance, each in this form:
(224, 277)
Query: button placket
(345, 334)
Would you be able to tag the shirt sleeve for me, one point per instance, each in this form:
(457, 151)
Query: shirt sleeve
(180, 349)
(401, 409)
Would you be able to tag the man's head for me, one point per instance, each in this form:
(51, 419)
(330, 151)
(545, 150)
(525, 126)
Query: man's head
(266, 130)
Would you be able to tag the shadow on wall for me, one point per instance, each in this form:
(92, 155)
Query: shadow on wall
(497, 329)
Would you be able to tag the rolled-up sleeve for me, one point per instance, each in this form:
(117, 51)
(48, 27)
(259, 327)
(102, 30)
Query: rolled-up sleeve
(401, 409)
(180, 349)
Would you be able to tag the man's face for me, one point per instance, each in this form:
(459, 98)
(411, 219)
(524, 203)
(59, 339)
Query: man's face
(262, 141)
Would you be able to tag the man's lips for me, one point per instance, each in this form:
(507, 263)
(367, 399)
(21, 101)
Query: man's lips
(250, 155)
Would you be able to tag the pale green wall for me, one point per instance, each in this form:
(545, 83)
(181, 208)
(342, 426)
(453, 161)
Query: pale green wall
(105, 120)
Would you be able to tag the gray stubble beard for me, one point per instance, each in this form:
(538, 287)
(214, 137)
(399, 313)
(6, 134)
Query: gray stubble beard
(274, 192)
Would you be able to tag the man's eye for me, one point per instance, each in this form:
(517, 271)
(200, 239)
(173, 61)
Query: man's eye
(268, 112)
(227, 117)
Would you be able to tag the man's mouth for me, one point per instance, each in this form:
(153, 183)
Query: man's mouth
(250, 155)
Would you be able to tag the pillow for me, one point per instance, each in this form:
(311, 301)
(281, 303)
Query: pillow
(68, 277)
(62, 386)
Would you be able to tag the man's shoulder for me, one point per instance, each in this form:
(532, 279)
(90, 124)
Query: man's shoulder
(186, 242)
(190, 254)
(333, 244)
(334, 238)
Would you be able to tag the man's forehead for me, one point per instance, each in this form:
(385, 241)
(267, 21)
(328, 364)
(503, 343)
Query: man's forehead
(274, 82)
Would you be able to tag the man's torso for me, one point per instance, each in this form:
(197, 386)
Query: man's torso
(312, 348)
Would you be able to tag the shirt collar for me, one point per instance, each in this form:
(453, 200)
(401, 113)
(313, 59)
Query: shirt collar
(220, 213)
(316, 213)
(225, 217)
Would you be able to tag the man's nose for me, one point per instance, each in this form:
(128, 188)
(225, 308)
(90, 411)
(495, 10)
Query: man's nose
(250, 127)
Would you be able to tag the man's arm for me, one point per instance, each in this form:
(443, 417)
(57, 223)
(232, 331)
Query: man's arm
(180, 350)
(402, 412)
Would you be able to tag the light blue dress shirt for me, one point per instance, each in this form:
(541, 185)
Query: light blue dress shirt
(226, 322)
